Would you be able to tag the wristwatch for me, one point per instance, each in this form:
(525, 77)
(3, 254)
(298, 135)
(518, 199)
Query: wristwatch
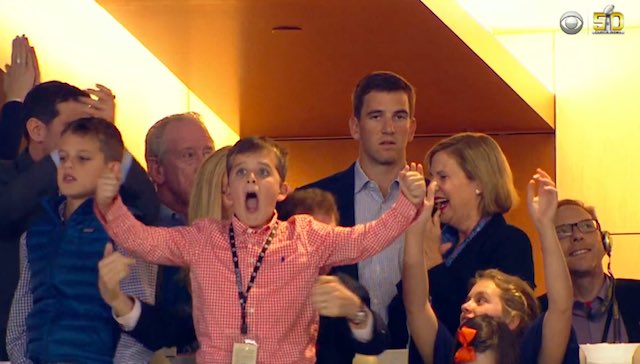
(359, 317)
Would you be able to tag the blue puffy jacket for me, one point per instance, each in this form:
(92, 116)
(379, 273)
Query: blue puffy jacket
(69, 321)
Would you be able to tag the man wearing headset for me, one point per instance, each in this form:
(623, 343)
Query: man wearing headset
(604, 308)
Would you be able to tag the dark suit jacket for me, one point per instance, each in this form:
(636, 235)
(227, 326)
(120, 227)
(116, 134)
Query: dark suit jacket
(332, 331)
(169, 322)
(628, 297)
(162, 326)
(11, 129)
(498, 245)
(337, 345)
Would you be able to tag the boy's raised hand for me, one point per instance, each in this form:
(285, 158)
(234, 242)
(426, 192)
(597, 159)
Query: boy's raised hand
(542, 199)
(108, 187)
(112, 269)
(412, 183)
(424, 219)
(428, 223)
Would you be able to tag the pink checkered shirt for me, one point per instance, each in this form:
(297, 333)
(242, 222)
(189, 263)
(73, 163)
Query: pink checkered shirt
(280, 315)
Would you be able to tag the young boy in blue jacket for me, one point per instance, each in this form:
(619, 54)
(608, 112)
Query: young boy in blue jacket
(58, 315)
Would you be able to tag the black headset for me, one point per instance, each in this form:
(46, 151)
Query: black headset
(606, 242)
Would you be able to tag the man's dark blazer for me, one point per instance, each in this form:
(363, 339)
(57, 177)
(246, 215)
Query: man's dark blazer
(11, 129)
(169, 321)
(161, 326)
(342, 185)
(628, 297)
(336, 345)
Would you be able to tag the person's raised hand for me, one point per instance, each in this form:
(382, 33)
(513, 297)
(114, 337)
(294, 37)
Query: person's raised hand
(429, 222)
(112, 269)
(412, 183)
(423, 219)
(23, 72)
(101, 103)
(542, 198)
(108, 187)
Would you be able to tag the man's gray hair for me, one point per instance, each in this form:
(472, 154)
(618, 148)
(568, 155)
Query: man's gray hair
(154, 141)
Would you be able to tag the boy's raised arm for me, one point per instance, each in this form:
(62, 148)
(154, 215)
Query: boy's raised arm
(169, 246)
(341, 245)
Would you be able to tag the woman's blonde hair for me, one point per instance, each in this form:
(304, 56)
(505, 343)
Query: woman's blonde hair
(206, 196)
(517, 297)
(482, 161)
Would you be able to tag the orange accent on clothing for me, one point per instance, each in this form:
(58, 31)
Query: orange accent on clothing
(466, 352)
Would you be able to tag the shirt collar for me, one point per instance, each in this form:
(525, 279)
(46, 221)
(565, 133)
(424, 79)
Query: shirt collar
(240, 228)
(361, 180)
(604, 290)
(58, 206)
(581, 307)
(61, 208)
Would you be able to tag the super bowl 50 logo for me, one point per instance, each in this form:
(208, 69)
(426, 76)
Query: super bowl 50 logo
(608, 21)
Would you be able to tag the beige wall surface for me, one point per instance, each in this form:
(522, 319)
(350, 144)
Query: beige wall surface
(598, 134)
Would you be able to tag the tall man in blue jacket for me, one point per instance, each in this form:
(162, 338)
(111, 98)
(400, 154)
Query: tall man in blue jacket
(383, 123)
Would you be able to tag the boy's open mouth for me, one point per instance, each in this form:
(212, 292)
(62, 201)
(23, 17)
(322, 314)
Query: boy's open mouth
(251, 202)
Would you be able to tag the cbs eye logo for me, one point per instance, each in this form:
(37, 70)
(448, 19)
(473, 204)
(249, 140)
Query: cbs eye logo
(571, 22)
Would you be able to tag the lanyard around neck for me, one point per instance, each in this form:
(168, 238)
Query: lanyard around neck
(612, 312)
(242, 294)
(457, 248)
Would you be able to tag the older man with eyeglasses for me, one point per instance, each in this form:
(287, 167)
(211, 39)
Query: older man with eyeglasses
(604, 308)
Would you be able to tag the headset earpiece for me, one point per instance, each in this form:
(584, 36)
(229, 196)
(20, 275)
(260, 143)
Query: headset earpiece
(606, 242)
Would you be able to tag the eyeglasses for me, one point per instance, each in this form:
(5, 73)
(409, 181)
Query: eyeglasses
(584, 226)
(189, 155)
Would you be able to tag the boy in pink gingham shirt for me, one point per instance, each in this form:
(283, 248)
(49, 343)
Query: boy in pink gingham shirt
(279, 316)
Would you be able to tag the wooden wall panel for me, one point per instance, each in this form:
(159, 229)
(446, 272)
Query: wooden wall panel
(310, 160)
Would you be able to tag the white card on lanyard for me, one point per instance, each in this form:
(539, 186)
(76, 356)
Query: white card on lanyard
(245, 353)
